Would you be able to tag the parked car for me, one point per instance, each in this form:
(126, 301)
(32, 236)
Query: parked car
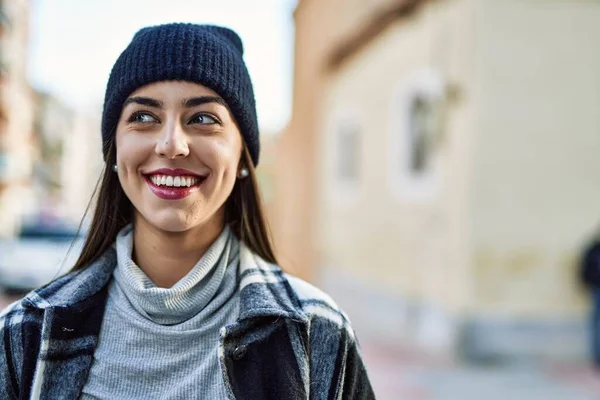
(39, 254)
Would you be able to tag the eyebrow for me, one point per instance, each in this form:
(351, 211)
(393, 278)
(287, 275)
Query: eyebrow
(145, 101)
(187, 103)
(197, 101)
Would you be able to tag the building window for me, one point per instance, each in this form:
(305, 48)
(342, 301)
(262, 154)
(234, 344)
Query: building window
(341, 155)
(423, 129)
(348, 153)
(415, 140)
(418, 135)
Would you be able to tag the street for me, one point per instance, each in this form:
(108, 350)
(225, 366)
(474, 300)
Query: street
(397, 375)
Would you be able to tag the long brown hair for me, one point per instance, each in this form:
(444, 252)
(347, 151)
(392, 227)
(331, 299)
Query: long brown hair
(243, 212)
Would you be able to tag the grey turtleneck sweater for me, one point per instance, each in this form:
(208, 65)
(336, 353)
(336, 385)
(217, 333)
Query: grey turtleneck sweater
(162, 343)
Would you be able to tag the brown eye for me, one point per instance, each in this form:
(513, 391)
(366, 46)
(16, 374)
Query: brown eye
(203, 119)
(142, 118)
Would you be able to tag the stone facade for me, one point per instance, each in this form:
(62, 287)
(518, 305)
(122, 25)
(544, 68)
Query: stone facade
(440, 162)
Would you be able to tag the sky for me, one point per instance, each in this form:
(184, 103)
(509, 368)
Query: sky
(74, 43)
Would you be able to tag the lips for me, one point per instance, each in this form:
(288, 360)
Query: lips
(173, 184)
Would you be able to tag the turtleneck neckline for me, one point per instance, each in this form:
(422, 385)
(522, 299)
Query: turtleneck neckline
(189, 296)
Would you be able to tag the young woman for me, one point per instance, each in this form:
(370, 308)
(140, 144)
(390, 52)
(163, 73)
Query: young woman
(177, 293)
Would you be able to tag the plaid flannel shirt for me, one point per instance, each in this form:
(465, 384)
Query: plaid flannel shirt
(290, 340)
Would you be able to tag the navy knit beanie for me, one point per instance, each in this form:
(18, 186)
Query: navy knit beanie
(205, 54)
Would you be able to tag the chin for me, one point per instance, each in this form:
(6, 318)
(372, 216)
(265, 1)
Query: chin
(172, 221)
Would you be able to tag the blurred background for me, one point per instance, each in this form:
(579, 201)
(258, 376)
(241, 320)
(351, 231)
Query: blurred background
(431, 164)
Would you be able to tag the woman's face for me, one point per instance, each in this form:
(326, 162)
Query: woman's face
(178, 154)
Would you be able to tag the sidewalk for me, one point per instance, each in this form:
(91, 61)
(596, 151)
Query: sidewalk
(395, 375)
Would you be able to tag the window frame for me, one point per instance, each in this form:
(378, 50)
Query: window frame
(343, 191)
(406, 185)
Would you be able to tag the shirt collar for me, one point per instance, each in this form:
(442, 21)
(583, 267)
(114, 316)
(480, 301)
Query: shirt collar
(76, 286)
(265, 290)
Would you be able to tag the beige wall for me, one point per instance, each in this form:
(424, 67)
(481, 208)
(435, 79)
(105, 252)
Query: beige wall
(514, 195)
(534, 193)
(381, 231)
(320, 26)
(515, 198)
(402, 243)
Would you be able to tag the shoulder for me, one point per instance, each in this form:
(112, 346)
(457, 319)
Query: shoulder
(12, 314)
(319, 307)
(75, 286)
(13, 318)
(266, 288)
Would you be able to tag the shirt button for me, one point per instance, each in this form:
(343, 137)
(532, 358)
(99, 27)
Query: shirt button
(240, 352)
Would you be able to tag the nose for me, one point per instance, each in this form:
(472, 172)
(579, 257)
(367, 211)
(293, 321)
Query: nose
(173, 142)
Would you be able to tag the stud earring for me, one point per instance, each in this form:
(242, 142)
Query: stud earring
(244, 173)
(115, 168)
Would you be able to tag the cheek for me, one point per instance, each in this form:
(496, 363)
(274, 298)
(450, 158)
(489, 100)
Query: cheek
(220, 155)
(131, 151)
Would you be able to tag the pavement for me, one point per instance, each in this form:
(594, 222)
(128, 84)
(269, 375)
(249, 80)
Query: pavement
(399, 375)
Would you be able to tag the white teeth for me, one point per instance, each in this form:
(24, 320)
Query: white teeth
(177, 181)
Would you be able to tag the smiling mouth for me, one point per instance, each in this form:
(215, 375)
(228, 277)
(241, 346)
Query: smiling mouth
(179, 181)
(174, 187)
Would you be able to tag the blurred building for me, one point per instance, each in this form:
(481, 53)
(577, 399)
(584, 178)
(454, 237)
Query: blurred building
(53, 125)
(81, 165)
(69, 159)
(440, 169)
(17, 143)
(320, 25)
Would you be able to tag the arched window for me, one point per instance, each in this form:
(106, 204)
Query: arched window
(342, 155)
(418, 112)
(420, 132)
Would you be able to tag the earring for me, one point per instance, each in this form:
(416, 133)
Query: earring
(244, 173)
(115, 168)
